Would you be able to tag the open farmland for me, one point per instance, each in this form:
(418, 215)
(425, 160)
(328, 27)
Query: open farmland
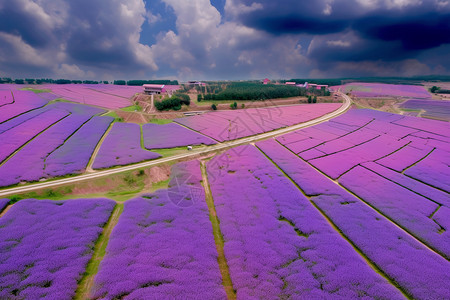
(108, 96)
(432, 109)
(46, 245)
(357, 206)
(231, 125)
(369, 90)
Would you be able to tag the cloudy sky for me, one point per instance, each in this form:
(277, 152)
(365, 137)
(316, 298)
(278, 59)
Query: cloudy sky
(223, 39)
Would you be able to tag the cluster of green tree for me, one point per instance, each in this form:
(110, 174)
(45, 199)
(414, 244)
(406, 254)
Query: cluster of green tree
(256, 91)
(436, 89)
(142, 82)
(211, 88)
(173, 102)
(312, 99)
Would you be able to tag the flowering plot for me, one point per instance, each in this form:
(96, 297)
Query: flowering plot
(229, 125)
(29, 163)
(46, 246)
(405, 157)
(160, 250)
(420, 272)
(109, 96)
(368, 90)
(13, 139)
(425, 190)
(404, 207)
(73, 156)
(62, 106)
(435, 109)
(3, 203)
(433, 170)
(334, 165)
(6, 98)
(23, 101)
(122, 146)
(277, 244)
(172, 135)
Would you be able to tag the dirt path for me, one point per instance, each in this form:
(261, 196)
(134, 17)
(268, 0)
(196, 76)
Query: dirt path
(191, 154)
(5, 210)
(86, 284)
(97, 148)
(218, 238)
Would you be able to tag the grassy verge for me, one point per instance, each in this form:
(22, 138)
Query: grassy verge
(174, 151)
(218, 237)
(160, 121)
(132, 108)
(114, 115)
(37, 91)
(86, 283)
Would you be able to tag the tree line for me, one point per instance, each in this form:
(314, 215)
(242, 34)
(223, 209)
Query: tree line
(175, 102)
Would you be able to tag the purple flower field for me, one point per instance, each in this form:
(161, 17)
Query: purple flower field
(369, 90)
(122, 146)
(276, 243)
(160, 250)
(30, 163)
(13, 139)
(172, 135)
(3, 203)
(109, 96)
(46, 245)
(74, 155)
(434, 109)
(419, 271)
(230, 125)
(23, 101)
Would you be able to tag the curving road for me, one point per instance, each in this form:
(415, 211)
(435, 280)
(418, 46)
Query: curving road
(52, 183)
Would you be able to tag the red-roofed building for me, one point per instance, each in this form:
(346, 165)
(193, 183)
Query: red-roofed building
(266, 81)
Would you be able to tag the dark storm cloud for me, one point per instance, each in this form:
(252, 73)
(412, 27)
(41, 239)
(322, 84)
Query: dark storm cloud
(291, 17)
(416, 25)
(33, 29)
(415, 33)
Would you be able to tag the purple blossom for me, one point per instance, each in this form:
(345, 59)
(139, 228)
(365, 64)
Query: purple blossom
(16, 137)
(172, 135)
(434, 109)
(362, 89)
(433, 170)
(73, 156)
(122, 146)
(3, 203)
(277, 244)
(109, 96)
(23, 101)
(404, 207)
(230, 125)
(45, 246)
(420, 272)
(30, 162)
(160, 250)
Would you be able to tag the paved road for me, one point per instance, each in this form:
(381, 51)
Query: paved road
(221, 146)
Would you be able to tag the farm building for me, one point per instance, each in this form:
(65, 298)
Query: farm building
(266, 81)
(290, 83)
(151, 89)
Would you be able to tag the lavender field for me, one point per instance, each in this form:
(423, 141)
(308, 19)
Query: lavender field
(46, 245)
(374, 90)
(433, 109)
(358, 206)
